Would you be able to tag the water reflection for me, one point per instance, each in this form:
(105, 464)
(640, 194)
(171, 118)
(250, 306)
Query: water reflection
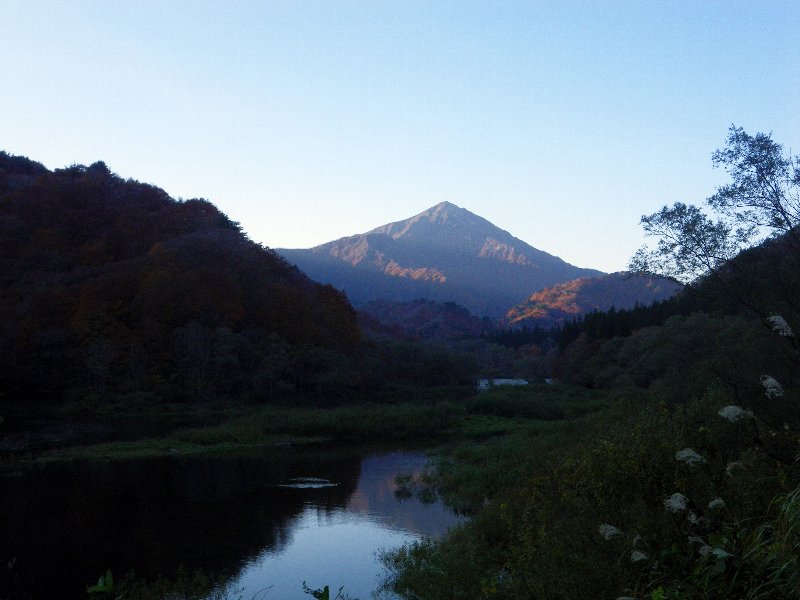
(375, 495)
(337, 545)
(272, 520)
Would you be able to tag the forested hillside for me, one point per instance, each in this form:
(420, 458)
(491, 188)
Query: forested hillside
(111, 291)
(687, 484)
(563, 302)
(422, 320)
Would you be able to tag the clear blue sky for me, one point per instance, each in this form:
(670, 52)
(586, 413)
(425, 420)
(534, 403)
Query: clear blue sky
(561, 122)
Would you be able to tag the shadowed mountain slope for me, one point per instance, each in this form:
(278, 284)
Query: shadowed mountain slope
(445, 254)
(421, 320)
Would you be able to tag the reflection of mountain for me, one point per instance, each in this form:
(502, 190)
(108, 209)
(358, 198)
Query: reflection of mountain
(340, 543)
(375, 495)
(66, 524)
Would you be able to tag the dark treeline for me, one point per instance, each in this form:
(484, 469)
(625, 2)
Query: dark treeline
(759, 282)
(598, 325)
(523, 336)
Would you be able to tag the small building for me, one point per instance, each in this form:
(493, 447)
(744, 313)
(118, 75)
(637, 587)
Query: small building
(485, 384)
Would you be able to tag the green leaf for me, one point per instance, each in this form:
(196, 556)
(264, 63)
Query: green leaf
(105, 585)
(717, 540)
(657, 594)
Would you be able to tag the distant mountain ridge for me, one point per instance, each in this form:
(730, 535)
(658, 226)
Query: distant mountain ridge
(421, 320)
(554, 305)
(445, 254)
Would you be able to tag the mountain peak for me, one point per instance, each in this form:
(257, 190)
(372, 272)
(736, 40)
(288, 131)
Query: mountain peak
(445, 253)
(442, 224)
(445, 206)
(448, 208)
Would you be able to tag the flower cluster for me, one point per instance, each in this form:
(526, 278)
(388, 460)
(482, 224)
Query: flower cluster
(609, 531)
(772, 388)
(676, 503)
(780, 326)
(689, 456)
(734, 413)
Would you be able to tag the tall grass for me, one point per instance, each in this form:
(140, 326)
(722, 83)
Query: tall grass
(360, 422)
(774, 551)
(542, 402)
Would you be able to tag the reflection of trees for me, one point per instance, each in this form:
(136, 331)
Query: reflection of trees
(376, 495)
(67, 524)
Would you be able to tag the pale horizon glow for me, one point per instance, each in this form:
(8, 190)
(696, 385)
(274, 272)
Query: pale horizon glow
(560, 122)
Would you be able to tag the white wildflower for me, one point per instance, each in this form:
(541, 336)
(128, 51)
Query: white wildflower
(780, 326)
(676, 503)
(609, 531)
(638, 555)
(716, 503)
(733, 413)
(772, 388)
(689, 456)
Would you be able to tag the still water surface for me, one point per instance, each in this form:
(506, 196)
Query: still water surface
(267, 522)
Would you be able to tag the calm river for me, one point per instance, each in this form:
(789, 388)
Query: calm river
(266, 522)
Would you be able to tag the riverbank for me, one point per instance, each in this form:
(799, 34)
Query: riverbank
(443, 416)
